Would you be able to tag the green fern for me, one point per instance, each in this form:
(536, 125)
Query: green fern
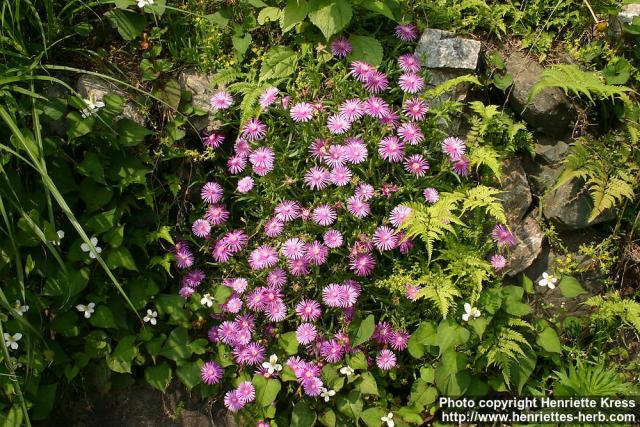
(487, 156)
(226, 76)
(589, 380)
(441, 291)
(611, 308)
(572, 80)
(251, 92)
(484, 197)
(504, 349)
(450, 84)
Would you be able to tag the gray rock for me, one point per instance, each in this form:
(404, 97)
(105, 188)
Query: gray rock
(541, 176)
(529, 237)
(628, 12)
(447, 56)
(516, 196)
(550, 151)
(569, 207)
(550, 112)
(200, 87)
(94, 87)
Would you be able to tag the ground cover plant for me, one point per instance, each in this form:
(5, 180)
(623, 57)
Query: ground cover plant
(321, 235)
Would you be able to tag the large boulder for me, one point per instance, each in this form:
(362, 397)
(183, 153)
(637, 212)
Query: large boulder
(544, 170)
(199, 85)
(628, 13)
(569, 206)
(516, 194)
(447, 56)
(95, 88)
(529, 237)
(550, 112)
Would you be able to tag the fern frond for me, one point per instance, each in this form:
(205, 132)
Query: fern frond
(485, 197)
(441, 291)
(226, 76)
(572, 80)
(487, 156)
(612, 307)
(450, 84)
(606, 191)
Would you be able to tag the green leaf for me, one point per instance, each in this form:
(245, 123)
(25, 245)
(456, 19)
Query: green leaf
(570, 287)
(366, 49)
(362, 331)
(617, 71)
(303, 415)
(279, 62)
(548, 340)
(266, 389)
(177, 345)
(78, 125)
(410, 415)
(422, 394)
(350, 405)
(450, 334)
(124, 353)
(13, 417)
(288, 342)
(372, 416)
(294, 12)
(330, 16)
(503, 82)
(269, 14)
(121, 257)
(92, 167)
(189, 374)
(103, 318)
(241, 43)
(171, 305)
(358, 360)
(130, 133)
(101, 222)
(171, 93)
(328, 418)
(159, 376)
(129, 24)
(367, 384)
(425, 335)
(451, 377)
(43, 401)
(380, 8)
(220, 18)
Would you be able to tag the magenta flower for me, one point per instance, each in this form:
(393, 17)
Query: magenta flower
(236, 164)
(273, 227)
(246, 392)
(386, 360)
(233, 304)
(319, 148)
(411, 83)
(293, 248)
(241, 147)
(352, 109)
(502, 236)
(287, 210)
(263, 257)
(334, 155)
(211, 193)
(399, 214)
(410, 133)
(276, 312)
(302, 112)
(211, 373)
(216, 214)
(362, 264)
(308, 310)
(312, 386)
(332, 351)
(365, 191)
(277, 277)
(333, 239)
(254, 130)
(384, 238)
(416, 109)
(391, 149)
(235, 240)
(232, 401)
(333, 295)
(431, 195)
(407, 32)
(221, 100)
(338, 124)
(298, 267)
(254, 354)
(262, 157)
(409, 63)
(340, 176)
(316, 253)
(355, 151)
(399, 340)
(376, 81)
(268, 97)
(341, 47)
(306, 333)
(391, 119)
(461, 166)
(388, 189)
(360, 70)
(184, 258)
(201, 228)
(324, 215)
(317, 178)
(193, 278)
(411, 291)
(416, 165)
(382, 333)
(238, 284)
(453, 147)
(221, 252)
(213, 140)
(498, 262)
(245, 184)
(376, 107)
(357, 207)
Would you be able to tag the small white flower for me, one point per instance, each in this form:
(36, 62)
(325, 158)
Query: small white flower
(60, 237)
(272, 365)
(388, 419)
(11, 341)
(92, 104)
(151, 317)
(548, 280)
(470, 311)
(207, 300)
(327, 394)
(143, 3)
(86, 309)
(94, 243)
(21, 309)
(347, 370)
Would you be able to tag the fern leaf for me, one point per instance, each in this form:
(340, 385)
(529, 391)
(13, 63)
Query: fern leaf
(607, 192)
(487, 156)
(441, 293)
(226, 76)
(450, 84)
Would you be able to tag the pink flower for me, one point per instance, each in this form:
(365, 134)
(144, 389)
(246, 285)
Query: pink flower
(277, 277)
(221, 252)
(306, 333)
(333, 295)
(299, 267)
(211, 192)
(273, 227)
(352, 109)
(376, 81)
(340, 176)
(287, 211)
(498, 262)
(407, 32)
(357, 207)
(409, 63)
(308, 310)
(245, 184)
(221, 100)
(416, 165)
(461, 166)
(338, 124)
(211, 373)
(411, 291)
(341, 47)
(316, 253)
(399, 214)
(334, 155)
(416, 109)
(236, 164)
(201, 228)
(262, 157)
(216, 214)
(254, 130)
(302, 112)
(453, 147)
(376, 107)
(384, 238)
(411, 83)
(312, 386)
(246, 392)
(317, 178)
(293, 248)
(333, 239)
(365, 191)
(268, 97)
(502, 236)
(332, 351)
(386, 360)
(391, 149)
(232, 401)
(355, 151)
(324, 215)
(382, 333)
(362, 264)
(213, 139)
(360, 70)
(410, 133)
(263, 257)
(431, 195)
(399, 340)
